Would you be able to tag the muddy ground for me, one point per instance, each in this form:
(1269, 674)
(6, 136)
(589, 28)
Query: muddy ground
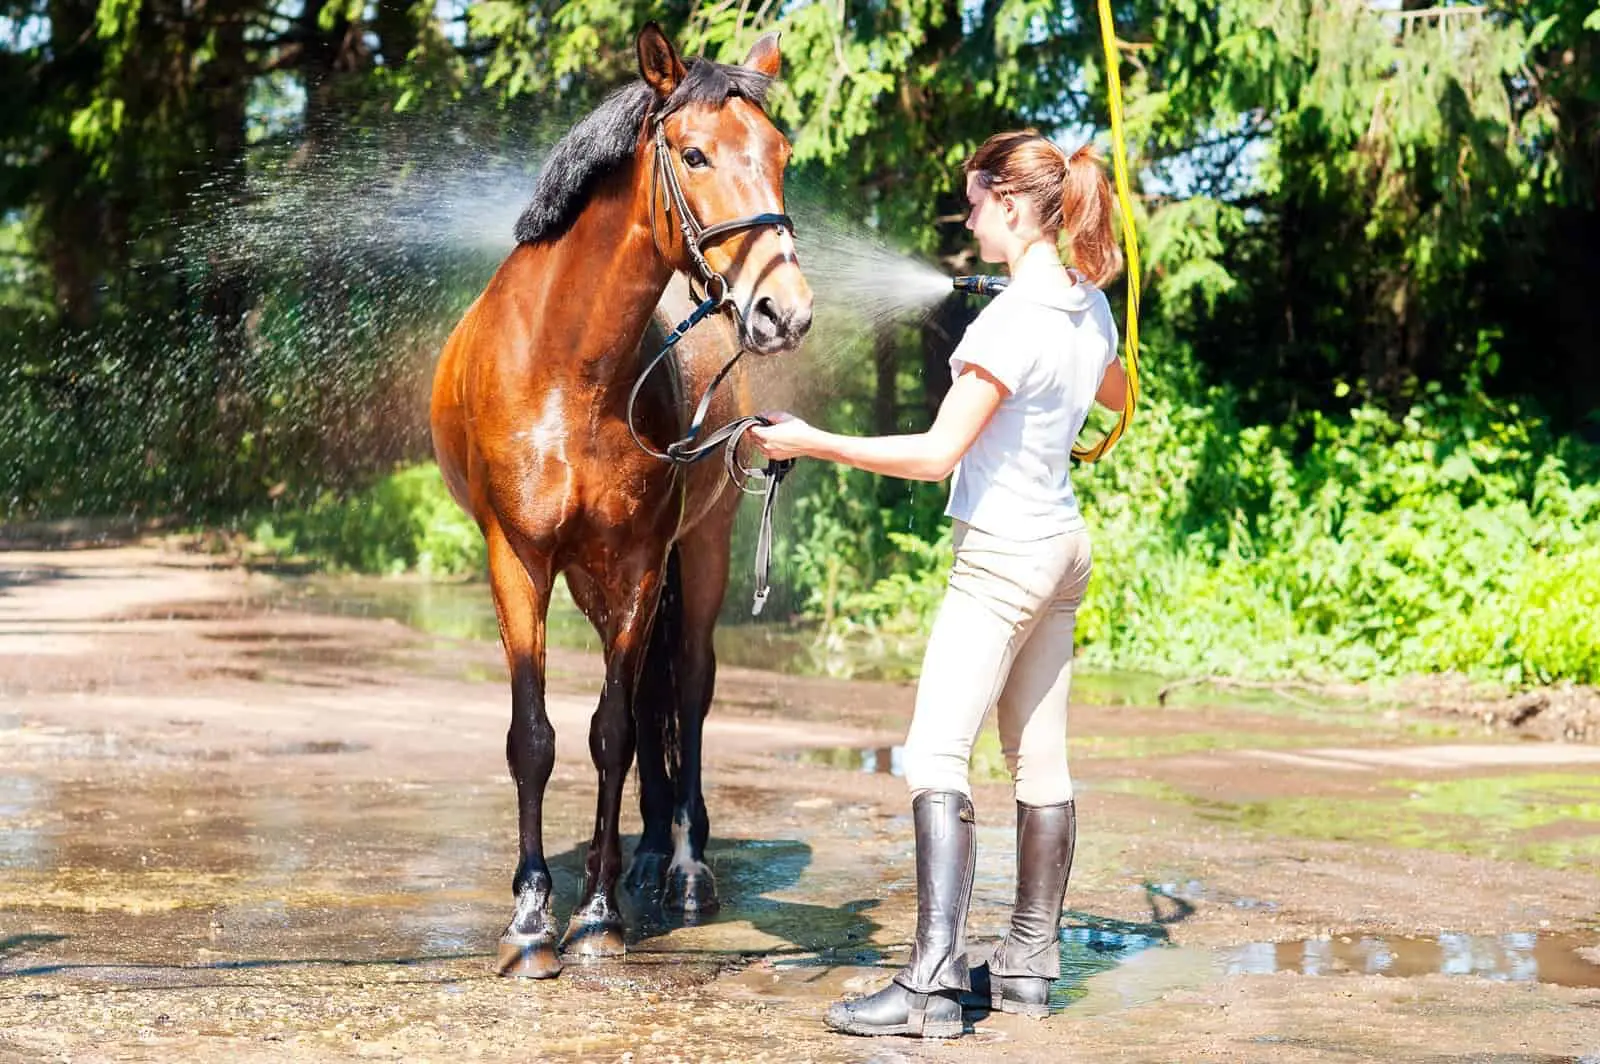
(235, 829)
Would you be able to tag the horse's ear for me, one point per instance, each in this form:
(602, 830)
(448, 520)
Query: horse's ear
(764, 56)
(659, 64)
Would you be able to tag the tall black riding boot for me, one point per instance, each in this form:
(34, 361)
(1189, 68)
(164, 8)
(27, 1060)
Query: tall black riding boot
(925, 998)
(1028, 959)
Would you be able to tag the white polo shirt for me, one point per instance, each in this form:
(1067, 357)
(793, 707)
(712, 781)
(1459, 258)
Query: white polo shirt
(1049, 343)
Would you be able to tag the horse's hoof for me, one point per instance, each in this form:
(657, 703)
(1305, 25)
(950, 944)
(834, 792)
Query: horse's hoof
(527, 957)
(692, 892)
(647, 875)
(589, 939)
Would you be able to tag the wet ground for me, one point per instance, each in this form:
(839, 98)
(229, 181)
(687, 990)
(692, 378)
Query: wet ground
(244, 818)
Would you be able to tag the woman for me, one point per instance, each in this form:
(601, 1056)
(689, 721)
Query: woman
(1024, 375)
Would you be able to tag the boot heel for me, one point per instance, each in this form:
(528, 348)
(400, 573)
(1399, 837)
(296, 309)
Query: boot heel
(943, 1029)
(1021, 996)
(919, 1022)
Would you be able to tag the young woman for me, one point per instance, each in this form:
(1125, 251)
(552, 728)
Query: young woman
(1024, 374)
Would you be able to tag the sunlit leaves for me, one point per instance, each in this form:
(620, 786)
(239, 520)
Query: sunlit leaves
(1186, 244)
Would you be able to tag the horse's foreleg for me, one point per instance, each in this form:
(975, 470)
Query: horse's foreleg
(690, 886)
(521, 597)
(596, 929)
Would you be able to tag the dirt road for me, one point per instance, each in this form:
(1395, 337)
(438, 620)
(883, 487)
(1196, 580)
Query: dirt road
(234, 830)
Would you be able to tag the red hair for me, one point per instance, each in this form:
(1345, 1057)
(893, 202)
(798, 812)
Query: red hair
(1070, 194)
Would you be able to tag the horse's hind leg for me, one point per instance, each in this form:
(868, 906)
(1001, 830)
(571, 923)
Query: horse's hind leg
(521, 597)
(630, 593)
(656, 725)
(690, 887)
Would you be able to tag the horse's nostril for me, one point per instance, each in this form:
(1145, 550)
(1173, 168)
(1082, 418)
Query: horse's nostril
(800, 320)
(774, 321)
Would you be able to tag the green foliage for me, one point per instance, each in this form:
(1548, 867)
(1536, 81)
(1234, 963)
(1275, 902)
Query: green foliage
(1368, 229)
(1354, 181)
(322, 395)
(406, 522)
(1542, 624)
(1461, 537)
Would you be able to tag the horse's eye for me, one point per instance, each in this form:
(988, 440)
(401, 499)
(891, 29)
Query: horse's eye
(694, 158)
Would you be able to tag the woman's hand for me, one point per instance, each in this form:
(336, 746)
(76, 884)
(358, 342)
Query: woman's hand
(786, 437)
(967, 407)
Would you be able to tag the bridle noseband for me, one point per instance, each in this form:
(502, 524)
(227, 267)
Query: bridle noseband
(718, 295)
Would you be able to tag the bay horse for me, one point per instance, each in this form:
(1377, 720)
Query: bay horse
(534, 430)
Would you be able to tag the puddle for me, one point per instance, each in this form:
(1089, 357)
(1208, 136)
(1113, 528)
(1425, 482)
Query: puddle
(1193, 890)
(1090, 946)
(989, 763)
(23, 843)
(886, 760)
(771, 908)
(1549, 819)
(1517, 957)
(466, 611)
(1088, 950)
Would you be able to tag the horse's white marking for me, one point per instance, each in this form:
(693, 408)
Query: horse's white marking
(683, 851)
(548, 439)
(549, 434)
(760, 179)
(753, 184)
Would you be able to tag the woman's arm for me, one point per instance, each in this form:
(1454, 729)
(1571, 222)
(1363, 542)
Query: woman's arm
(1113, 393)
(971, 402)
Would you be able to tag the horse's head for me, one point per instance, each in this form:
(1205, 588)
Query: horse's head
(726, 160)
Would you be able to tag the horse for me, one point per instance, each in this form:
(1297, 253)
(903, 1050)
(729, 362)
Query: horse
(543, 440)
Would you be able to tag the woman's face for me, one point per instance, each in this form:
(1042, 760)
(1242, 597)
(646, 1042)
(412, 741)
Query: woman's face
(987, 220)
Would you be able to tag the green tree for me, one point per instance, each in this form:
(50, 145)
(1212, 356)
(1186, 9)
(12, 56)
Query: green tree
(1341, 176)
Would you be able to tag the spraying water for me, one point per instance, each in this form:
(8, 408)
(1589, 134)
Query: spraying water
(356, 203)
(855, 268)
(861, 284)
(299, 319)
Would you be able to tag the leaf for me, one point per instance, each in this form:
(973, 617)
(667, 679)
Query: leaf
(1542, 30)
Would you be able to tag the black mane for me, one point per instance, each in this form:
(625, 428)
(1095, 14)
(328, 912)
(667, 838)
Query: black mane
(608, 135)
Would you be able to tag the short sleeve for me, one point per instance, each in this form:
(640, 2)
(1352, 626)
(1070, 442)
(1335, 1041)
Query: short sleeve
(989, 345)
(1108, 329)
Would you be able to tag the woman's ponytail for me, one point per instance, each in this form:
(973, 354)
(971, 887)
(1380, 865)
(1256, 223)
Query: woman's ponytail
(1070, 195)
(1086, 217)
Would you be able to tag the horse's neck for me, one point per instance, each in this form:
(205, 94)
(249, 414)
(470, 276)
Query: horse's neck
(607, 264)
(632, 273)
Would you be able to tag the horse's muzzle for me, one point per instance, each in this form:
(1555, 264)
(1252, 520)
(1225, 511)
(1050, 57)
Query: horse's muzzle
(770, 328)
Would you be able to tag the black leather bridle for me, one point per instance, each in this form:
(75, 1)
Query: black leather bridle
(695, 235)
(717, 295)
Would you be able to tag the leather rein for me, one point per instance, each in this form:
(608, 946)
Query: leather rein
(690, 448)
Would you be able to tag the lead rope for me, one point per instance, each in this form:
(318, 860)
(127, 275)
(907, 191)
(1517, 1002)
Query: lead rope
(776, 470)
(1130, 241)
(690, 449)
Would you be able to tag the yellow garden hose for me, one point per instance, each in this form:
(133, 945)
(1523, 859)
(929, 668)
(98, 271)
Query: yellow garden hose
(1130, 241)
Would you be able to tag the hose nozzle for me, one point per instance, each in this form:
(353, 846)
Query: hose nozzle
(981, 284)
